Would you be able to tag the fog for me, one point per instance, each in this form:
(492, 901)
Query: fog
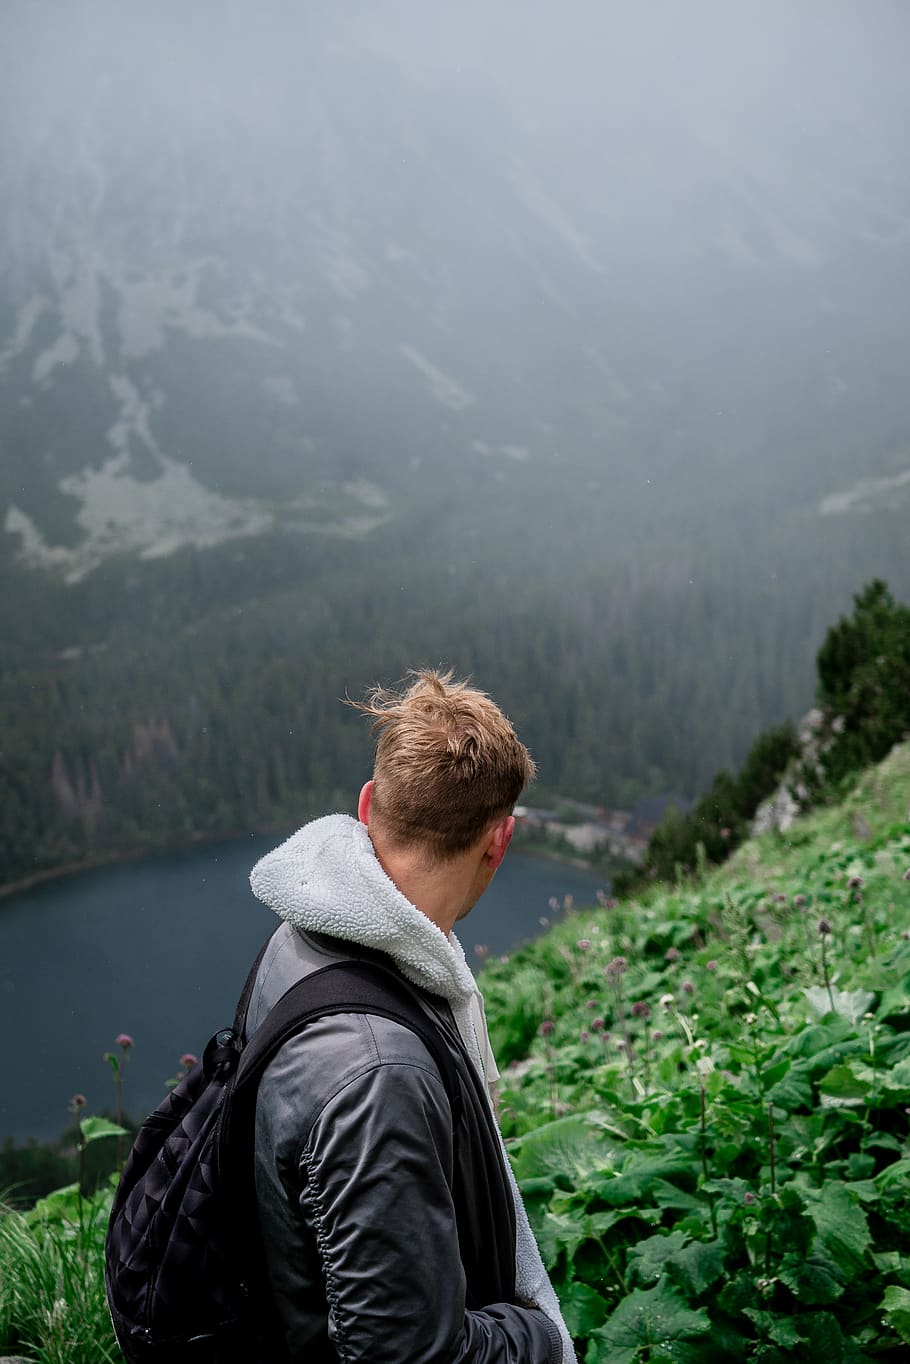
(564, 343)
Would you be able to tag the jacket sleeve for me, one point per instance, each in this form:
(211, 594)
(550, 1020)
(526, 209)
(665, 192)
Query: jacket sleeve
(375, 1190)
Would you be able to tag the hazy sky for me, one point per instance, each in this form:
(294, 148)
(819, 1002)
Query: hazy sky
(630, 228)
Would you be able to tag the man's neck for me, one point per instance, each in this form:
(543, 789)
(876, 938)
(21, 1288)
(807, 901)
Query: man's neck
(443, 891)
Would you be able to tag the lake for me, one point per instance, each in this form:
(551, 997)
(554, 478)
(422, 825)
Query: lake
(159, 948)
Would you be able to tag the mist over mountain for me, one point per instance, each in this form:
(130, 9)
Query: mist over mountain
(563, 343)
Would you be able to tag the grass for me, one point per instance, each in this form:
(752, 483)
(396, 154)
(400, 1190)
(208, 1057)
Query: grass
(52, 1304)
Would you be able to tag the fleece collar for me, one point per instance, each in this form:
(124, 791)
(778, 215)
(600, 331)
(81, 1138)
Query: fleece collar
(326, 878)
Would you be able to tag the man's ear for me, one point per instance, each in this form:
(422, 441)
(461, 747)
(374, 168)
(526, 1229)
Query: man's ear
(500, 838)
(364, 803)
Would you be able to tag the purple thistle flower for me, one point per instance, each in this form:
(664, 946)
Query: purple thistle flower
(657, 1034)
(592, 1004)
(687, 987)
(711, 965)
(124, 1040)
(77, 1101)
(823, 927)
(547, 1027)
(583, 944)
(188, 1060)
(584, 1035)
(615, 969)
(597, 1024)
(672, 954)
(640, 1009)
(799, 902)
(854, 882)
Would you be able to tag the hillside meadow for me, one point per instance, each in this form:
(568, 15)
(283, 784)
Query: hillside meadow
(706, 1093)
(705, 1097)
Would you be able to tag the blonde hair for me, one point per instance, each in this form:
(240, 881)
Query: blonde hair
(448, 762)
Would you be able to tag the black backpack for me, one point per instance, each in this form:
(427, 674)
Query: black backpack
(184, 1271)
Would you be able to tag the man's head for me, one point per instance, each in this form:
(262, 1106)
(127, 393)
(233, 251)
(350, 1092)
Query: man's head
(448, 764)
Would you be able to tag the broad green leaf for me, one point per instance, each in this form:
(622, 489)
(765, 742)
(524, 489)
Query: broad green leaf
(570, 1148)
(888, 1261)
(556, 1232)
(841, 1225)
(640, 1172)
(860, 1165)
(894, 1000)
(697, 1266)
(896, 1307)
(898, 1079)
(648, 1259)
(93, 1129)
(866, 1190)
(583, 1309)
(848, 1004)
(657, 1319)
(600, 1352)
(818, 1038)
(842, 1087)
(666, 1195)
(898, 1170)
(538, 1186)
(782, 1330)
(814, 1279)
(793, 1090)
(824, 1340)
(60, 1206)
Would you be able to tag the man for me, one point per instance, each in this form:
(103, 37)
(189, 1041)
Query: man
(389, 1239)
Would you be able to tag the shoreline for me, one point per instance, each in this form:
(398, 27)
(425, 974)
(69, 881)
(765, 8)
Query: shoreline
(136, 854)
(40, 878)
(528, 850)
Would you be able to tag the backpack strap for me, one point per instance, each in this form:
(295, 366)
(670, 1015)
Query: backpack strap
(344, 987)
(243, 1002)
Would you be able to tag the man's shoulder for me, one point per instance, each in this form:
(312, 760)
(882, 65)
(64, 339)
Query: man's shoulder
(340, 1059)
(291, 956)
(333, 1051)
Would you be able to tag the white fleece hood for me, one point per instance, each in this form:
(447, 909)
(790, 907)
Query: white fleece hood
(326, 878)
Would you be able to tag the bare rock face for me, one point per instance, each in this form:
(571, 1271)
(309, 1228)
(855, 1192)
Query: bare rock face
(791, 798)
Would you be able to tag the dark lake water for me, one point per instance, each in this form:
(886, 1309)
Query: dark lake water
(159, 949)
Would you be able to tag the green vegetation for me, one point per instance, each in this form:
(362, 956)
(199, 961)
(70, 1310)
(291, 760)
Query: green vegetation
(199, 694)
(53, 1307)
(864, 682)
(705, 1087)
(705, 1095)
(719, 820)
(863, 690)
(706, 1101)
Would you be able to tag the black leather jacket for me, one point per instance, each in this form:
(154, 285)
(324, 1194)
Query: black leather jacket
(354, 1184)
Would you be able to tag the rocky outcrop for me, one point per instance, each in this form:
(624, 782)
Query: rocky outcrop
(793, 796)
